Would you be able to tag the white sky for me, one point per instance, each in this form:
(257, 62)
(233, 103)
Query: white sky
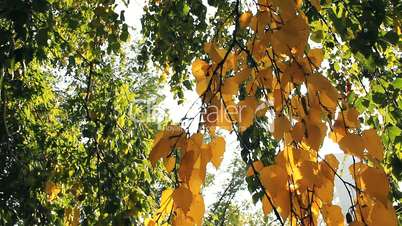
(176, 112)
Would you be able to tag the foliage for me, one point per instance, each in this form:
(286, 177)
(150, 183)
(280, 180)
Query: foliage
(267, 65)
(365, 66)
(282, 75)
(174, 32)
(74, 134)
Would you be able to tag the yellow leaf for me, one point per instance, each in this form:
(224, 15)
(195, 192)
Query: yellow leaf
(287, 8)
(265, 78)
(315, 135)
(306, 175)
(246, 112)
(332, 161)
(170, 163)
(295, 157)
(338, 132)
(326, 191)
(351, 118)
(374, 181)
(206, 154)
(196, 181)
(328, 95)
(296, 73)
(373, 144)
(333, 215)
(166, 203)
(160, 150)
(217, 150)
(251, 87)
(356, 169)
(298, 3)
(245, 19)
(52, 190)
(316, 56)
(242, 75)
(149, 222)
(282, 203)
(281, 125)
(202, 86)
(352, 144)
(259, 22)
(278, 100)
(261, 109)
(182, 198)
(292, 37)
(186, 165)
(165, 141)
(181, 219)
(199, 69)
(195, 142)
(216, 54)
(258, 165)
(266, 205)
(383, 215)
(357, 223)
(274, 179)
(197, 209)
(298, 132)
(230, 87)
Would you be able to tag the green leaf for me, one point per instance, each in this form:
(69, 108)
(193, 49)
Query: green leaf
(397, 83)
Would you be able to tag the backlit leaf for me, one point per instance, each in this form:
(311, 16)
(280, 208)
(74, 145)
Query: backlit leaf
(373, 144)
(333, 215)
(217, 150)
(182, 198)
(352, 144)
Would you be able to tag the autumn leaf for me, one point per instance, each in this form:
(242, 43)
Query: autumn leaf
(52, 190)
(373, 144)
(230, 87)
(333, 215)
(166, 203)
(182, 198)
(245, 19)
(328, 95)
(257, 166)
(383, 214)
(246, 111)
(316, 56)
(281, 126)
(217, 150)
(197, 209)
(165, 141)
(274, 179)
(293, 35)
(352, 144)
(170, 163)
(199, 69)
(266, 205)
(350, 116)
(374, 181)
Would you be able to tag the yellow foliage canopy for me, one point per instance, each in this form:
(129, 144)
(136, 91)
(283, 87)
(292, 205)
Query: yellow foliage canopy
(274, 72)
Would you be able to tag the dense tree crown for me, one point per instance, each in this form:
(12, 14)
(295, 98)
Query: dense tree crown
(73, 139)
(77, 146)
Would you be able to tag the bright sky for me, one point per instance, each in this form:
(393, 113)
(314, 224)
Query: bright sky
(176, 112)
